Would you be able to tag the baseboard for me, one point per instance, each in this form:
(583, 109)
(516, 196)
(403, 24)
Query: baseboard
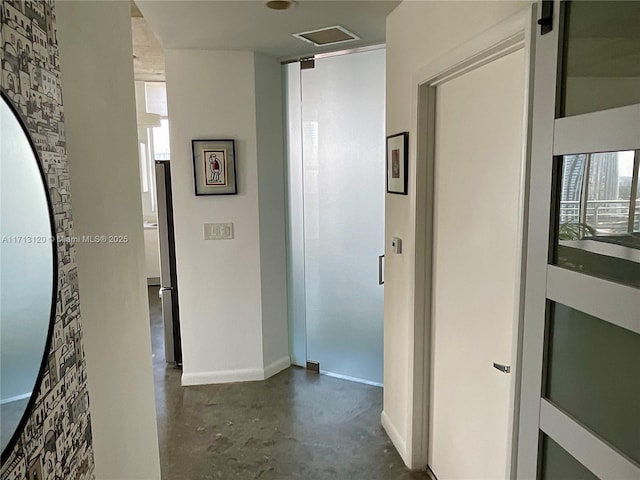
(223, 376)
(153, 281)
(277, 366)
(233, 376)
(395, 437)
(351, 379)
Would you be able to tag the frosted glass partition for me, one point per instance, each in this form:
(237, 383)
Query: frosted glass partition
(601, 68)
(592, 374)
(343, 173)
(295, 223)
(558, 464)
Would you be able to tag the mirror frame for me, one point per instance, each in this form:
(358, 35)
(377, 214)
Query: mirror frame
(8, 449)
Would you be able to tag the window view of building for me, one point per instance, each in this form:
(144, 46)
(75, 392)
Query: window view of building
(598, 218)
(599, 193)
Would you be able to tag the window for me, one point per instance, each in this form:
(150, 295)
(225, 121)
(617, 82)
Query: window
(156, 102)
(160, 136)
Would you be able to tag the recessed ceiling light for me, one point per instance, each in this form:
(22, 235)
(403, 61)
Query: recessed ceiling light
(280, 4)
(327, 36)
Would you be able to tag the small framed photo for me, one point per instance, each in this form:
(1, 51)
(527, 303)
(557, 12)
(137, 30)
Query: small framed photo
(397, 163)
(214, 167)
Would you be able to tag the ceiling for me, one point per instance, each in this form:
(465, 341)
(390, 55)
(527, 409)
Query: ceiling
(148, 56)
(250, 25)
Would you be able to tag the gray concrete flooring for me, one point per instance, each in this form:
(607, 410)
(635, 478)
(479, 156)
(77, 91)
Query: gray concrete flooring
(296, 425)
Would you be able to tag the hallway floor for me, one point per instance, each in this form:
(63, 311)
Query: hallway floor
(295, 425)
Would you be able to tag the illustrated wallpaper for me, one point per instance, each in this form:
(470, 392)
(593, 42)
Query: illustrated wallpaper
(56, 442)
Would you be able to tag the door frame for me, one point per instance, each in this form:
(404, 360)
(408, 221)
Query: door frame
(512, 34)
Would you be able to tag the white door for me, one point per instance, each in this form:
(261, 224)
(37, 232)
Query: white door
(478, 169)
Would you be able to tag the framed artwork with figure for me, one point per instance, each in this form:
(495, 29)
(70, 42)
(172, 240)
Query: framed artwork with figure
(214, 167)
(397, 163)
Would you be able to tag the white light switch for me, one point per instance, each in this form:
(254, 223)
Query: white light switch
(218, 231)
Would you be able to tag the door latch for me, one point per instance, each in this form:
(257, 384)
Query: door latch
(502, 368)
(546, 18)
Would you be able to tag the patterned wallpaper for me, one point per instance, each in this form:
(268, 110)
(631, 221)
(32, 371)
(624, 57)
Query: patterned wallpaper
(56, 442)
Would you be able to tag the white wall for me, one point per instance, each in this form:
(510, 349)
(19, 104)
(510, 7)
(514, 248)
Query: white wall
(220, 286)
(417, 34)
(151, 253)
(98, 90)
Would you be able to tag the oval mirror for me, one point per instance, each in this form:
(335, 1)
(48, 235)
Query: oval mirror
(27, 275)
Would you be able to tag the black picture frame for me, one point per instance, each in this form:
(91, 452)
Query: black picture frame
(397, 163)
(214, 167)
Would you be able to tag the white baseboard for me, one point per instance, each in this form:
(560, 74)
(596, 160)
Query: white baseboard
(239, 375)
(277, 366)
(222, 376)
(395, 437)
(351, 379)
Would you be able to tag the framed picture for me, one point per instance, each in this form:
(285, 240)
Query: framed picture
(214, 167)
(397, 163)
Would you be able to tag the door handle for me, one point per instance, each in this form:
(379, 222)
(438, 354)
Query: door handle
(380, 275)
(502, 368)
(163, 289)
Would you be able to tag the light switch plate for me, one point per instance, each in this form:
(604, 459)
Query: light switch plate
(218, 231)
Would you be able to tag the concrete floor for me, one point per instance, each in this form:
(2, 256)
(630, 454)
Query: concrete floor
(295, 425)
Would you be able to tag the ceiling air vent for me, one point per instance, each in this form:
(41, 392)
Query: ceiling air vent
(327, 36)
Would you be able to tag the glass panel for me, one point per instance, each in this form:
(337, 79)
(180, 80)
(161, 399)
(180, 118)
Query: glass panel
(295, 218)
(608, 192)
(343, 172)
(593, 374)
(636, 210)
(602, 56)
(558, 464)
(597, 233)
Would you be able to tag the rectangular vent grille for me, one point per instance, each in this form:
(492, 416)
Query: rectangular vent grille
(327, 36)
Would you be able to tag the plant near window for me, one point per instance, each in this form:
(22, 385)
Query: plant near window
(575, 231)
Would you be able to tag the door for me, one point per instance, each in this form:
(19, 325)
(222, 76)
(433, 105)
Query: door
(478, 170)
(168, 280)
(336, 209)
(580, 407)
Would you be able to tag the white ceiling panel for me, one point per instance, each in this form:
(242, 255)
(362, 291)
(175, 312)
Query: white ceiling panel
(250, 25)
